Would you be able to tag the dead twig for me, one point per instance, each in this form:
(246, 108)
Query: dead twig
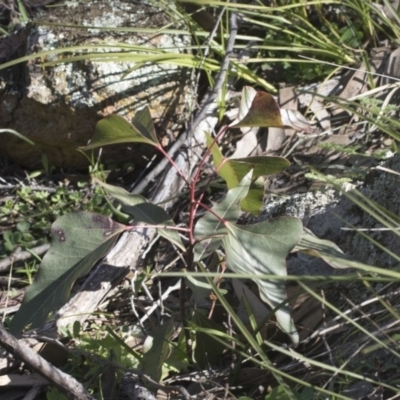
(22, 256)
(64, 382)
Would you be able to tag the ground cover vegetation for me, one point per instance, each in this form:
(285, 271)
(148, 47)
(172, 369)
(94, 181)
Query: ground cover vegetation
(211, 312)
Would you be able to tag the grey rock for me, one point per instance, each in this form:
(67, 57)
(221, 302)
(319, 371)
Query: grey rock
(132, 389)
(327, 213)
(58, 106)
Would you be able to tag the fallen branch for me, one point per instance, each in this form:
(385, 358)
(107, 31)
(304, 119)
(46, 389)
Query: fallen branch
(64, 382)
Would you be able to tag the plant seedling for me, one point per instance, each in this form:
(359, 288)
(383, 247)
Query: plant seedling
(80, 239)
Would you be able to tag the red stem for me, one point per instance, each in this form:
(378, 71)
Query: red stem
(194, 204)
(172, 162)
(208, 152)
(202, 205)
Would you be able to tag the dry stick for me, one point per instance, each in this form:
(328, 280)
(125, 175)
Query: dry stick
(22, 256)
(68, 385)
(163, 163)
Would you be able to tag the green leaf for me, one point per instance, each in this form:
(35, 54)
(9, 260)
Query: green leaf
(254, 201)
(143, 211)
(199, 288)
(262, 249)
(234, 170)
(114, 129)
(120, 194)
(325, 249)
(152, 214)
(79, 240)
(23, 226)
(262, 166)
(210, 225)
(9, 247)
(8, 237)
(216, 153)
(156, 350)
(143, 122)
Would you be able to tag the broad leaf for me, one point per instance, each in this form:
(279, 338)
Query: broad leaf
(244, 294)
(152, 214)
(260, 109)
(262, 249)
(209, 225)
(325, 249)
(263, 112)
(143, 211)
(246, 100)
(200, 287)
(157, 350)
(143, 122)
(261, 166)
(233, 171)
(254, 201)
(114, 129)
(216, 153)
(120, 194)
(79, 240)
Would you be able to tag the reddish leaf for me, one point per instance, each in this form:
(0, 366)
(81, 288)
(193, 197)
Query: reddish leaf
(264, 112)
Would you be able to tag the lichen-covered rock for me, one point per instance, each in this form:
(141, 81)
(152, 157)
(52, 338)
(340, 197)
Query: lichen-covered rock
(57, 107)
(327, 213)
(318, 212)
